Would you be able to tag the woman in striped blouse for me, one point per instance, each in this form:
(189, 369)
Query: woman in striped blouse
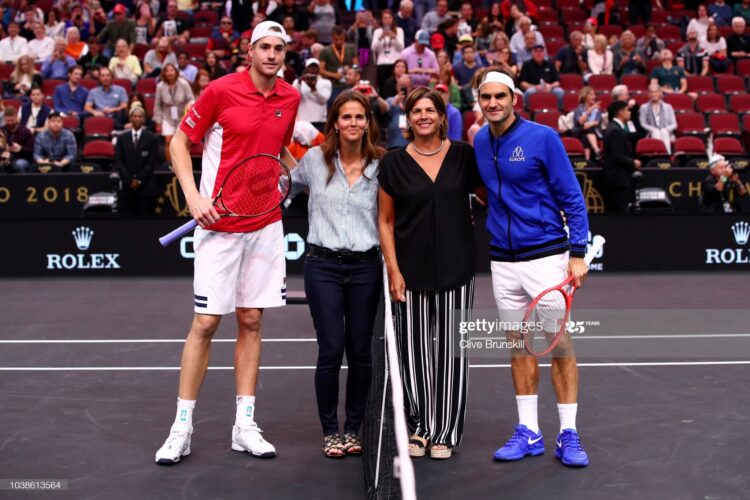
(343, 278)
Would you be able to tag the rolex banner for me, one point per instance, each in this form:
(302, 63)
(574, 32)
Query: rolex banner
(62, 196)
(129, 247)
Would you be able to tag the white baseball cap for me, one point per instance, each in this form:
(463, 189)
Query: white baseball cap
(714, 159)
(310, 61)
(268, 28)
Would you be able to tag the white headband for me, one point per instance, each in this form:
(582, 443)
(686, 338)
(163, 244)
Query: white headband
(497, 77)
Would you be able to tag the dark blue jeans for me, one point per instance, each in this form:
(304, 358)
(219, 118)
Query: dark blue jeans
(343, 294)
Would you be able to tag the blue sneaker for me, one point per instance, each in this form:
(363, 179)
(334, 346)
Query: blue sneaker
(523, 442)
(569, 449)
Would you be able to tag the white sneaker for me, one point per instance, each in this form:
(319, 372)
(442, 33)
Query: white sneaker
(249, 439)
(175, 447)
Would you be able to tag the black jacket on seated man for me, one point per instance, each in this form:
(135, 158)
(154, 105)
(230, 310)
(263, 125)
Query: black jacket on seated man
(40, 118)
(136, 157)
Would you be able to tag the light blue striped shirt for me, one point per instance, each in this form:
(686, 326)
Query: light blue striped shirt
(340, 217)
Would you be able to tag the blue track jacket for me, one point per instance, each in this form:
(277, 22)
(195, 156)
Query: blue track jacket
(530, 181)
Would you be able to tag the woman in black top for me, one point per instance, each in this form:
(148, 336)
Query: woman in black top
(213, 66)
(427, 240)
(390, 87)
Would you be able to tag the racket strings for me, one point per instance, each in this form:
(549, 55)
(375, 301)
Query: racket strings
(546, 320)
(255, 186)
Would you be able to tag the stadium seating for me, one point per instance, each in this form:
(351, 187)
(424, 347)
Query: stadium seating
(5, 71)
(730, 84)
(728, 146)
(647, 148)
(140, 50)
(544, 14)
(99, 151)
(739, 103)
(691, 124)
(49, 86)
(700, 84)
(468, 119)
(570, 102)
(638, 29)
(195, 50)
(724, 124)
(571, 82)
(89, 83)
(635, 83)
(16, 103)
(208, 17)
(610, 29)
(552, 31)
(743, 67)
(602, 83)
(71, 122)
(146, 86)
(98, 127)
(126, 84)
(542, 101)
(687, 148)
(573, 146)
(682, 103)
(572, 14)
(711, 103)
(548, 118)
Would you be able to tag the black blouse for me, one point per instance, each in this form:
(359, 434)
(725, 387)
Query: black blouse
(433, 230)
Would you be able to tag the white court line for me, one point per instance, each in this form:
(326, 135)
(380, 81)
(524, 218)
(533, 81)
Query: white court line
(168, 368)
(157, 341)
(131, 341)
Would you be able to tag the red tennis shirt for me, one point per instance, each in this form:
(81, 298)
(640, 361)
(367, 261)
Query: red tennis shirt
(235, 121)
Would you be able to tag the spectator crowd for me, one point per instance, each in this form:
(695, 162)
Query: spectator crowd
(78, 75)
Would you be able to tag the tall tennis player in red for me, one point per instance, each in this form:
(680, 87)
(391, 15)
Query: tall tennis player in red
(239, 262)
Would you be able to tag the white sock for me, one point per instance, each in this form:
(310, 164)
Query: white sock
(527, 412)
(567, 415)
(245, 411)
(184, 418)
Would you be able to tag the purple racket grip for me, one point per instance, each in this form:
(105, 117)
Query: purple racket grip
(177, 233)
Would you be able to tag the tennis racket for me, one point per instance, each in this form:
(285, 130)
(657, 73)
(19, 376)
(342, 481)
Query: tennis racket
(548, 314)
(255, 186)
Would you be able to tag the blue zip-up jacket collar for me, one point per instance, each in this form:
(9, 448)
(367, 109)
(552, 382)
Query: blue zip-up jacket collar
(530, 181)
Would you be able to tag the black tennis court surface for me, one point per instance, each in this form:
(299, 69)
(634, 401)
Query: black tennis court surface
(664, 417)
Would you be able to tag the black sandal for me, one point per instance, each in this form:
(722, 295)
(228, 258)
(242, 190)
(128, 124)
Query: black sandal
(352, 444)
(419, 448)
(333, 447)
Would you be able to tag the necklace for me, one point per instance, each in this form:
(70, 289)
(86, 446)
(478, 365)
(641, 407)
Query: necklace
(431, 153)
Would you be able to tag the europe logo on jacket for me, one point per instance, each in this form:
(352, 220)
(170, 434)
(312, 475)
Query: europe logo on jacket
(517, 154)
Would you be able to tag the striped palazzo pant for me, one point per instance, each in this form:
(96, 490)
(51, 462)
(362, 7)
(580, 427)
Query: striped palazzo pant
(434, 368)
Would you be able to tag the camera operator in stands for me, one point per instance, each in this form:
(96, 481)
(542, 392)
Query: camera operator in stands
(723, 191)
(314, 92)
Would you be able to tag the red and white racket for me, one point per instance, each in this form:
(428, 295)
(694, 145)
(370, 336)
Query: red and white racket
(255, 186)
(546, 318)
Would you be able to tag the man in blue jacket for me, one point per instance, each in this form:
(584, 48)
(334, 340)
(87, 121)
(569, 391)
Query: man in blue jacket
(530, 181)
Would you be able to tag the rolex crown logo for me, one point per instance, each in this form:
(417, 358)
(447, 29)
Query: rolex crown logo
(741, 231)
(82, 236)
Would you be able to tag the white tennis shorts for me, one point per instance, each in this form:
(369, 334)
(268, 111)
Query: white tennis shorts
(239, 270)
(516, 284)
